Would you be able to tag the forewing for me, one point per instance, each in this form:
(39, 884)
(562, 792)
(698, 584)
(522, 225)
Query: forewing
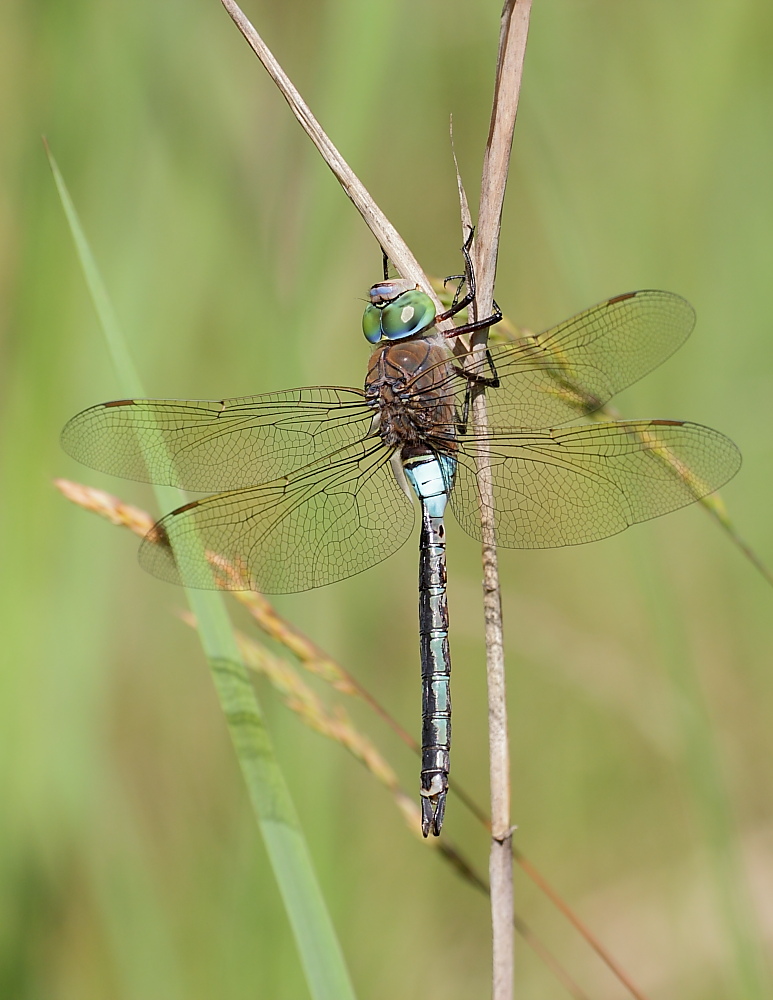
(207, 445)
(579, 484)
(321, 524)
(576, 367)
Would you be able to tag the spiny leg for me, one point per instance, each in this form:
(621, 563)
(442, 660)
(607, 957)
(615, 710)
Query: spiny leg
(462, 279)
(478, 324)
(458, 304)
(472, 379)
(469, 277)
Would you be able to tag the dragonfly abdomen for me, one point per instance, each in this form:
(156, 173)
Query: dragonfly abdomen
(435, 673)
(431, 478)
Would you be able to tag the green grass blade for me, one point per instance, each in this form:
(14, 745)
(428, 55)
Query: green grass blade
(320, 952)
(128, 376)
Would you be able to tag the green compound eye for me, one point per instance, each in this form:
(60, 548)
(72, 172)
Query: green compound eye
(406, 313)
(371, 324)
(410, 312)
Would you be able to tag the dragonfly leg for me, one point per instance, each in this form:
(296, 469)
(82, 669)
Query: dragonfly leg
(462, 279)
(461, 418)
(469, 276)
(458, 304)
(472, 379)
(475, 379)
(478, 324)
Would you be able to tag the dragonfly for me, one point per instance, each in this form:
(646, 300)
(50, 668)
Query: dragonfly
(312, 485)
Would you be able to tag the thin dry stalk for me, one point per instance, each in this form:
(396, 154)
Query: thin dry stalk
(314, 659)
(395, 246)
(574, 920)
(299, 698)
(336, 725)
(512, 49)
(514, 30)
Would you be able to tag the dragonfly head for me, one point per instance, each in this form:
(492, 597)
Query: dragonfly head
(397, 309)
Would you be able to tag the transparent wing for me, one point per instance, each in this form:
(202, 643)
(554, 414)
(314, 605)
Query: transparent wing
(579, 484)
(576, 367)
(208, 445)
(318, 525)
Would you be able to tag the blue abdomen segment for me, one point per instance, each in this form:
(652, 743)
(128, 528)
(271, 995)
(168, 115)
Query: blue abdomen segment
(431, 478)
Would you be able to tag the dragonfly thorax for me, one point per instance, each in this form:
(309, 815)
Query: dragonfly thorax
(397, 309)
(407, 386)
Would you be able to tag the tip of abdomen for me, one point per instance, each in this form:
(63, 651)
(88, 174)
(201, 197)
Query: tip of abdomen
(433, 803)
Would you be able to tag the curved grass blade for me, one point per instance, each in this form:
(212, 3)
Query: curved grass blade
(320, 952)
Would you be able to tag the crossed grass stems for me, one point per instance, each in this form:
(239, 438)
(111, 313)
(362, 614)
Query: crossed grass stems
(334, 722)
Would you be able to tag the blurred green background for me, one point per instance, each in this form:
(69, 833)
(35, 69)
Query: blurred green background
(640, 681)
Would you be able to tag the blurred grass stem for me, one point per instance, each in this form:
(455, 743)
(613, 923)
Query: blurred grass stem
(708, 785)
(318, 947)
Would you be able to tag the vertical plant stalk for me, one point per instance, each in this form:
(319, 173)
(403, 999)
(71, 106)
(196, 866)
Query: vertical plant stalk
(333, 723)
(512, 49)
(512, 46)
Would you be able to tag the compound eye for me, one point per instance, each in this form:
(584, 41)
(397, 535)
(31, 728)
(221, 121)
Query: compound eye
(371, 324)
(410, 312)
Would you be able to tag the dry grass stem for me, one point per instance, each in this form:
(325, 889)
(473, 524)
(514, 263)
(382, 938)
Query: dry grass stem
(395, 246)
(515, 21)
(336, 724)
(106, 505)
(512, 49)
(573, 919)
(464, 204)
